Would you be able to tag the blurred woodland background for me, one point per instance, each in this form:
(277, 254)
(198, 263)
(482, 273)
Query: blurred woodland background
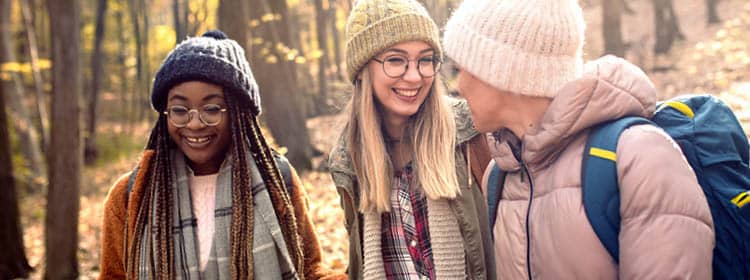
(75, 78)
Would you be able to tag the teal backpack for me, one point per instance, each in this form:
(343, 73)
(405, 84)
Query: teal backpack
(717, 149)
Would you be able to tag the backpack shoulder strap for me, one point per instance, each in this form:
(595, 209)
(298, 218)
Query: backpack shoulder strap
(601, 194)
(495, 183)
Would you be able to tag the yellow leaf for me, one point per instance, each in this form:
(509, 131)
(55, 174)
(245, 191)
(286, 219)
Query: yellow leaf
(281, 47)
(300, 60)
(716, 46)
(315, 54)
(166, 35)
(271, 59)
(10, 67)
(44, 64)
(721, 33)
(721, 81)
(267, 17)
(290, 56)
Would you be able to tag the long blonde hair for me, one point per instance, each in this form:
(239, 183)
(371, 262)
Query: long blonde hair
(431, 135)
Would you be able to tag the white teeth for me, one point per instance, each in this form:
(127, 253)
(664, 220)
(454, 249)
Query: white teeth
(407, 93)
(197, 140)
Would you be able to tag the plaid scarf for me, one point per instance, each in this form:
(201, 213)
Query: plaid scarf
(271, 260)
(407, 253)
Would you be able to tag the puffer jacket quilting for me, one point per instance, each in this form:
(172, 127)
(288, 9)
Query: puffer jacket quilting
(667, 231)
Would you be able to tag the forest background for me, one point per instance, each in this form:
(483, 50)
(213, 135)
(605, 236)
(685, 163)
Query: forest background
(75, 78)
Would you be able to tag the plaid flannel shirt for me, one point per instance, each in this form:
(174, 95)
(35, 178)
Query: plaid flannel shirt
(407, 253)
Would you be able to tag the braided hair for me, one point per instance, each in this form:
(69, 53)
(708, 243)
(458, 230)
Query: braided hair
(246, 138)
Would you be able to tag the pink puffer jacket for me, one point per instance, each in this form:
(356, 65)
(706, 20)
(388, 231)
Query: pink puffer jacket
(541, 228)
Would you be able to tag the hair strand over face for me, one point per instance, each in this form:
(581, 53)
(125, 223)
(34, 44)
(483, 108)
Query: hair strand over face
(431, 138)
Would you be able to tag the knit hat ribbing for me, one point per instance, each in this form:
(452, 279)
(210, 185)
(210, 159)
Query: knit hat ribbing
(211, 58)
(529, 47)
(375, 25)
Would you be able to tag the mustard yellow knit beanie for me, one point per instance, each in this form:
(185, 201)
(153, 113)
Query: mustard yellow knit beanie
(375, 25)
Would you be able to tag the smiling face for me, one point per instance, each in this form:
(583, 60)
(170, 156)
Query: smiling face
(204, 146)
(401, 97)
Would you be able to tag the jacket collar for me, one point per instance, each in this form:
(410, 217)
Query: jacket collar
(610, 88)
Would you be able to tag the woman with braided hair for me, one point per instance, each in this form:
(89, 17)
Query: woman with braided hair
(208, 199)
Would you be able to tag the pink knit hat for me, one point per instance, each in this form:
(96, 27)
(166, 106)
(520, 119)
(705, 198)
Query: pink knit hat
(529, 47)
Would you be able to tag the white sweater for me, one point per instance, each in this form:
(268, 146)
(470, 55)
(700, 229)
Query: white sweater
(203, 195)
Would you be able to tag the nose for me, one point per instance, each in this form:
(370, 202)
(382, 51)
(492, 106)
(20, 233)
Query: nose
(412, 73)
(195, 121)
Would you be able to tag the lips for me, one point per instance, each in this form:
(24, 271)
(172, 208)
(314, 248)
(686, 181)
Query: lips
(197, 142)
(406, 92)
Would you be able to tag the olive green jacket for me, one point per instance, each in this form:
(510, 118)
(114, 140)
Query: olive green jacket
(469, 208)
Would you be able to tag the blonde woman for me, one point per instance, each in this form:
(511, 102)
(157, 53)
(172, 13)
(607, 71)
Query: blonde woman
(413, 209)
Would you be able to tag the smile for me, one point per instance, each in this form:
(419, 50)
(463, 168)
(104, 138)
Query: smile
(197, 142)
(407, 92)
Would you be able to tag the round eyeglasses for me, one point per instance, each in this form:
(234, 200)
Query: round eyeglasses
(209, 114)
(396, 66)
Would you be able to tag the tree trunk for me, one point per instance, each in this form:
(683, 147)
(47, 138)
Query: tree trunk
(122, 55)
(284, 115)
(41, 99)
(233, 16)
(61, 221)
(202, 12)
(611, 27)
(135, 97)
(13, 262)
(180, 26)
(28, 139)
(333, 17)
(666, 26)
(322, 37)
(145, 101)
(90, 151)
(712, 16)
(186, 19)
(285, 30)
(675, 22)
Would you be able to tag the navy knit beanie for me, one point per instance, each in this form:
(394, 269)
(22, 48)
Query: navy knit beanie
(211, 58)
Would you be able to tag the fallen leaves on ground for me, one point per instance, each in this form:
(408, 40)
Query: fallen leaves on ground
(717, 62)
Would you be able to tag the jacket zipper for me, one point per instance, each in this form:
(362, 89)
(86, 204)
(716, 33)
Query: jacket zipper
(525, 170)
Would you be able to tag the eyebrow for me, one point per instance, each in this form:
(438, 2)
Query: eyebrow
(177, 95)
(405, 52)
